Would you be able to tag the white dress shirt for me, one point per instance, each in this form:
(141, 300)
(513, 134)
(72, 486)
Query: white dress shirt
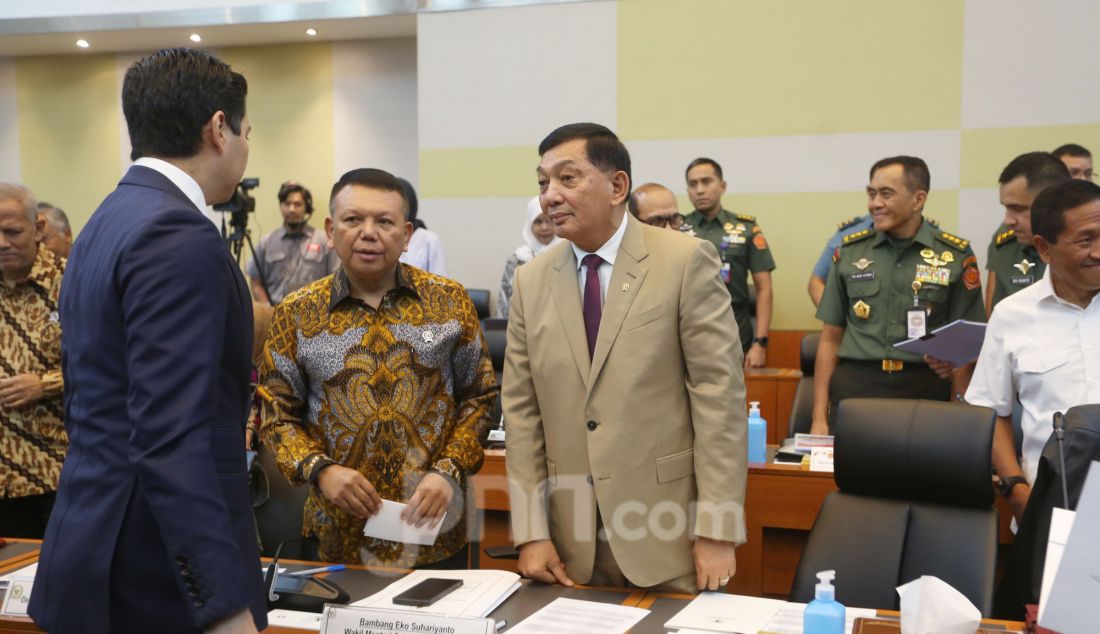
(608, 252)
(179, 178)
(425, 252)
(1046, 352)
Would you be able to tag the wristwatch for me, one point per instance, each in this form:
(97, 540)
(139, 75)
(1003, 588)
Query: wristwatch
(763, 341)
(1005, 485)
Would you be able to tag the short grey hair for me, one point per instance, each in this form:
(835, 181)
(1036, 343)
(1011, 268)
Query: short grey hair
(55, 216)
(15, 191)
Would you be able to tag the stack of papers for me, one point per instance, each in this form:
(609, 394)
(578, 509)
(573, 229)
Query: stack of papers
(721, 612)
(481, 592)
(788, 620)
(571, 615)
(717, 612)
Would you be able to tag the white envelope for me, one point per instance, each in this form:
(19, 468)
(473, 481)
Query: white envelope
(388, 525)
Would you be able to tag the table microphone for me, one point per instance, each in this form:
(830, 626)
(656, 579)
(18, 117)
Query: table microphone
(303, 594)
(1059, 433)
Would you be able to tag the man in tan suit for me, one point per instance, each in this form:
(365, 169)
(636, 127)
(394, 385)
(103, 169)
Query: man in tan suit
(624, 397)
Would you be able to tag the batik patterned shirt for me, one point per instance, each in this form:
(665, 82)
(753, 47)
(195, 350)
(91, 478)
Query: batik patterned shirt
(32, 438)
(394, 392)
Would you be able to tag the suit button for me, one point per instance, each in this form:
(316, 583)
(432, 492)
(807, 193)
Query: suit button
(588, 478)
(592, 425)
(198, 603)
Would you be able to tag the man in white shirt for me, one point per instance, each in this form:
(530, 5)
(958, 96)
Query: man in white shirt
(1043, 343)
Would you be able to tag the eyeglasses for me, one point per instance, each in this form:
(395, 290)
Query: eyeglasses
(673, 221)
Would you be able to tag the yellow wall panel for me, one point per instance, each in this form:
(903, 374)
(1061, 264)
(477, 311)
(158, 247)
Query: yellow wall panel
(985, 152)
(478, 172)
(722, 68)
(290, 107)
(69, 130)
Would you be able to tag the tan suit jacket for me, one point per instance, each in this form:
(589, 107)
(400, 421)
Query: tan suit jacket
(651, 431)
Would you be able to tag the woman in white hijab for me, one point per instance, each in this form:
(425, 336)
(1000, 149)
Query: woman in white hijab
(538, 236)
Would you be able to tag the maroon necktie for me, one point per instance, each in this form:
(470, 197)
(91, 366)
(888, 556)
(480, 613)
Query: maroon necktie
(593, 304)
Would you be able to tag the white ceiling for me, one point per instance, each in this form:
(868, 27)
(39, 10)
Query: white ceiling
(213, 36)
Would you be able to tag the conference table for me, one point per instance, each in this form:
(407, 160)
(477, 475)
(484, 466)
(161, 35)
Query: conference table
(781, 504)
(361, 581)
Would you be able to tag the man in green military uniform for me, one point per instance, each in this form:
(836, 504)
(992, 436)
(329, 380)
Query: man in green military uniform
(901, 279)
(743, 249)
(1012, 261)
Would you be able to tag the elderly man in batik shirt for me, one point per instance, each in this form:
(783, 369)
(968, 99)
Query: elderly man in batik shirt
(376, 384)
(32, 432)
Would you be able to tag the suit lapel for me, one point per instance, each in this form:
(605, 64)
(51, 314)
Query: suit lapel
(567, 299)
(626, 280)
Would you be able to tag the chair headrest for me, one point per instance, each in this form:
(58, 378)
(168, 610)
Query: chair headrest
(808, 352)
(496, 340)
(925, 451)
(480, 298)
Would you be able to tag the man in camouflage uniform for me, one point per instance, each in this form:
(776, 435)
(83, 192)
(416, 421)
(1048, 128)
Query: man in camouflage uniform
(901, 279)
(743, 250)
(1012, 261)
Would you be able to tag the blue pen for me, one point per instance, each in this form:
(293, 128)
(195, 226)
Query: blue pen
(316, 571)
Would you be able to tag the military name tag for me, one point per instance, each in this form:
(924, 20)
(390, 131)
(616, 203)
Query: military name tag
(857, 277)
(1022, 280)
(933, 275)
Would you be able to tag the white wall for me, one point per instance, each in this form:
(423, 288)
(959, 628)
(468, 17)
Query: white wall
(375, 106)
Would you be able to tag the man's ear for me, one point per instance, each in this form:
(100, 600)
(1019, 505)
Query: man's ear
(1043, 247)
(217, 130)
(620, 187)
(39, 228)
(328, 232)
(409, 229)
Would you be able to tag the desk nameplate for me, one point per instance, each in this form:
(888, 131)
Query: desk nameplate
(343, 619)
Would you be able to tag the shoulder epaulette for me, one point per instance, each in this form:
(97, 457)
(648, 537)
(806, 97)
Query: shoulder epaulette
(857, 236)
(851, 222)
(1004, 237)
(953, 240)
(745, 217)
(932, 221)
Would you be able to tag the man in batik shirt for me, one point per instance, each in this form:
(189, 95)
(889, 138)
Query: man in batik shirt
(376, 385)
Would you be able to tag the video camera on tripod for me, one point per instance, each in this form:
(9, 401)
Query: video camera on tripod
(239, 206)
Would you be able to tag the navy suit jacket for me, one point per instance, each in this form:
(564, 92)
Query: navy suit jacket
(153, 527)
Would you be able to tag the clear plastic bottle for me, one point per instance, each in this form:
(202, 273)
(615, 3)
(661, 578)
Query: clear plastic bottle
(758, 434)
(824, 615)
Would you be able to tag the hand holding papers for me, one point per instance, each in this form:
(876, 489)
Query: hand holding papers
(958, 342)
(388, 525)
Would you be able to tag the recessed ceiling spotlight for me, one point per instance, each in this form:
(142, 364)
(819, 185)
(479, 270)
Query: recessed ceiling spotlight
(311, 32)
(195, 37)
(83, 43)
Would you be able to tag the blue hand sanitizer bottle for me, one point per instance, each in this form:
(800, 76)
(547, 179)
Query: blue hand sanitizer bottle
(824, 615)
(758, 434)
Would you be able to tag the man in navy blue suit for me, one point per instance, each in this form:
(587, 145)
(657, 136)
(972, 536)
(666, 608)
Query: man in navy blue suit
(152, 530)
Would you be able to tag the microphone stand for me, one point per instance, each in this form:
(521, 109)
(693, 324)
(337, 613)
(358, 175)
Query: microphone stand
(1059, 433)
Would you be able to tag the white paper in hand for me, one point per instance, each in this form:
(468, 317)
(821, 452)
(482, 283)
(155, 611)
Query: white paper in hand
(388, 525)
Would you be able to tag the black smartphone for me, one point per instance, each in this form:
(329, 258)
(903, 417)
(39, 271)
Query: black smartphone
(427, 592)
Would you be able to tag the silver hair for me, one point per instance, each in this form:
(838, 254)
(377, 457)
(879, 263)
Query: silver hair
(15, 191)
(56, 216)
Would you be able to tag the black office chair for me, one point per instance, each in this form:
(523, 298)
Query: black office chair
(497, 341)
(480, 297)
(915, 498)
(1024, 570)
(494, 323)
(802, 409)
(278, 507)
